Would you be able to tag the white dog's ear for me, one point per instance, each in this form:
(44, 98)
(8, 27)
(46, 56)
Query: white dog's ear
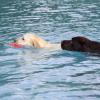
(39, 42)
(35, 41)
(36, 44)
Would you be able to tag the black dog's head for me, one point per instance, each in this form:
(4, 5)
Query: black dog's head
(78, 43)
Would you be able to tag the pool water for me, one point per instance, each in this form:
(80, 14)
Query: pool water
(42, 74)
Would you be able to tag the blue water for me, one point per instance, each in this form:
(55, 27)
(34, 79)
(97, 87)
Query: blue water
(32, 74)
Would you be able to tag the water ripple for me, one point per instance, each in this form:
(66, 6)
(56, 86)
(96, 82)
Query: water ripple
(27, 74)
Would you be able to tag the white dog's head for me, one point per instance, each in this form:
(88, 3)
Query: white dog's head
(30, 39)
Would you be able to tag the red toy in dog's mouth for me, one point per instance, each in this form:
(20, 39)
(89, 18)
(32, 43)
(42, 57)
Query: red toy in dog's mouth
(15, 45)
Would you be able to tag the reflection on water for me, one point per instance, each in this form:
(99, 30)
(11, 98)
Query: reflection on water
(27, 74)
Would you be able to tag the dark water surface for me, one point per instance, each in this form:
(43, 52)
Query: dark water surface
(31, 74)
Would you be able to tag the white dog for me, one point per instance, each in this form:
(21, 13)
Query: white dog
(30, 39)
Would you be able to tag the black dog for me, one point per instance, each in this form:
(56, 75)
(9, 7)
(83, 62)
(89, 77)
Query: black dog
(81, 44)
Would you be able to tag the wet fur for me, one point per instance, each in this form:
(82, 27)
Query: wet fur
(30, 39)
(82, 44)
(78, 43)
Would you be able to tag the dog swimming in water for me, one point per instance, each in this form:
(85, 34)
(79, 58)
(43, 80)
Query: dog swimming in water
(78, 43)
(32, 40)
